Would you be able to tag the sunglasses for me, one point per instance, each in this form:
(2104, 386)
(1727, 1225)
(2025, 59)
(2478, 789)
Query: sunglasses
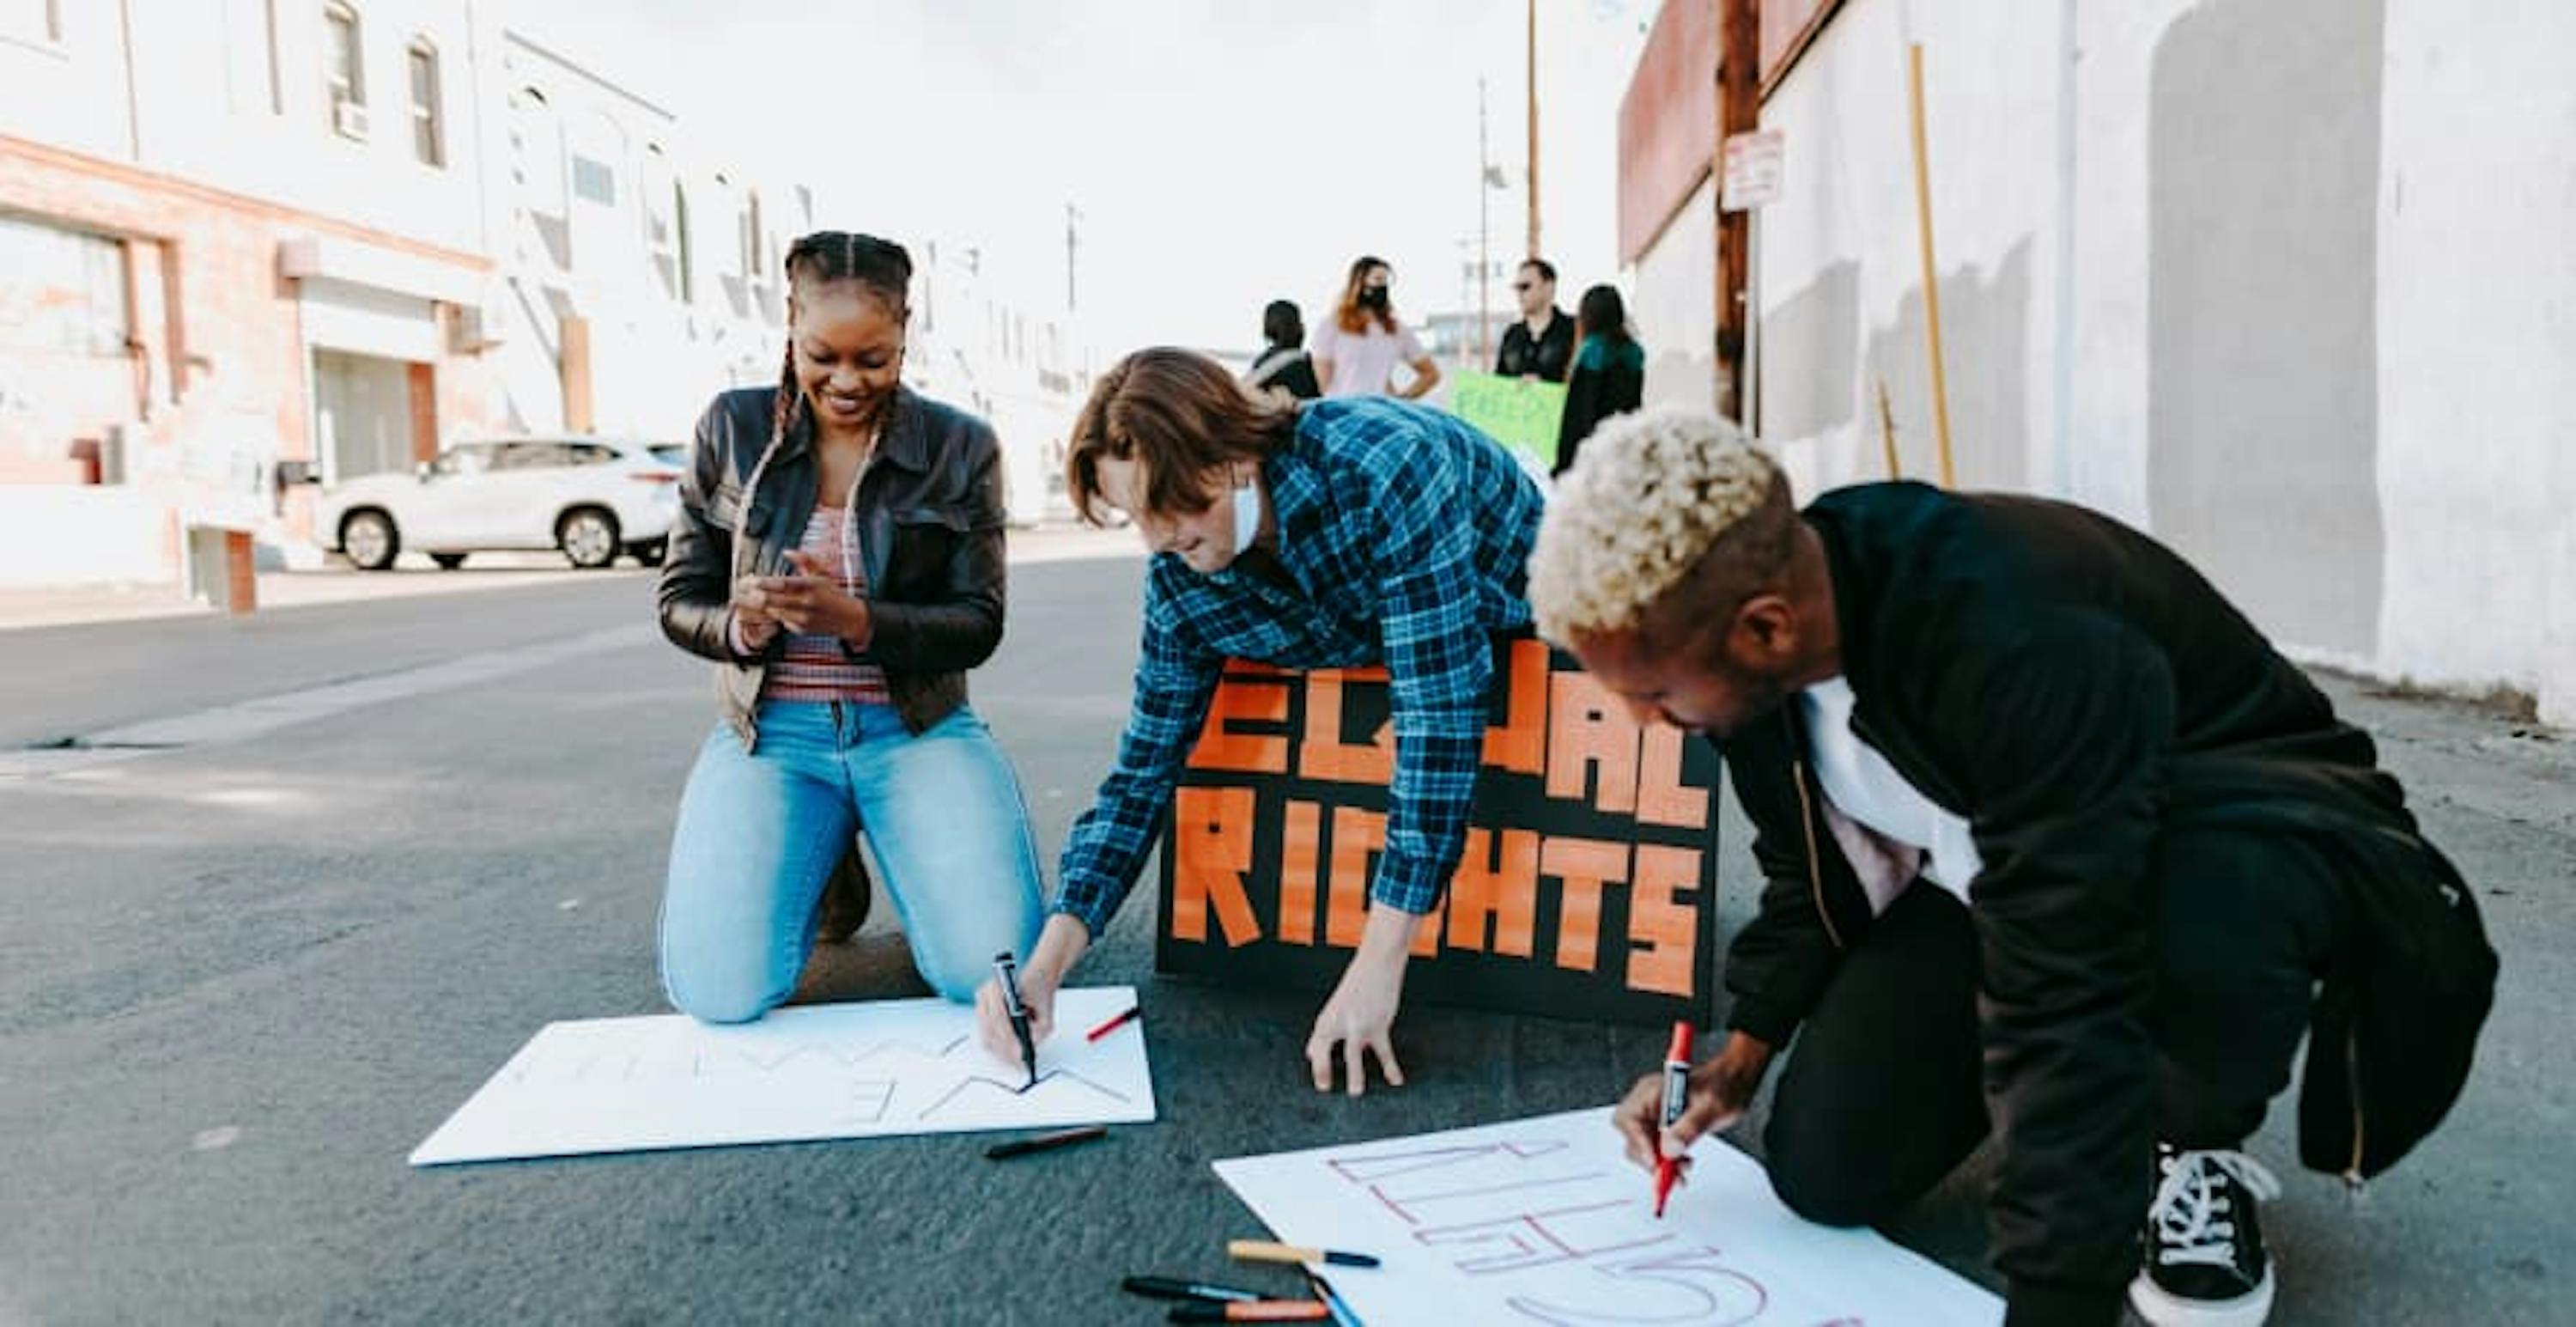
(1523, 285)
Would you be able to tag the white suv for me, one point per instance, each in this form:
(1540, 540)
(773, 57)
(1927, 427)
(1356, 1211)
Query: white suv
(591, 497)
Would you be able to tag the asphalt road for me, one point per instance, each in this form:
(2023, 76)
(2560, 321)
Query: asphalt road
(241, 979)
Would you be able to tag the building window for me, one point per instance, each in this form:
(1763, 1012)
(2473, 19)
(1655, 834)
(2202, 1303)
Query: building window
(34, 22)
(540, 153)
(428, 127)
(751, 264)
(344, 67)
(680, 241)
(250, 56)
(666, 219)
(66, 290)
(594, 180)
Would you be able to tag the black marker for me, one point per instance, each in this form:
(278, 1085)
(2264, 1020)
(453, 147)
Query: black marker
(1009, 973)
(1164, 1287)
(1045, 1142)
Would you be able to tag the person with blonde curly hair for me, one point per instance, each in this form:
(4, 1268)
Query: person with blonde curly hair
(2056, 846)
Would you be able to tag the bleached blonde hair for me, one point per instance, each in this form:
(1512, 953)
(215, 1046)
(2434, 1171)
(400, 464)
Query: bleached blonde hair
(1650, 498)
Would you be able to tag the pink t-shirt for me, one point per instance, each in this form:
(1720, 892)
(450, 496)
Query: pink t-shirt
(1363, 362)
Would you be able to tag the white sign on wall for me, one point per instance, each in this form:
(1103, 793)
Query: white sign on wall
(1753, 162)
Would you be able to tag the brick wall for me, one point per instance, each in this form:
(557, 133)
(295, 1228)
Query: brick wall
(206, 306)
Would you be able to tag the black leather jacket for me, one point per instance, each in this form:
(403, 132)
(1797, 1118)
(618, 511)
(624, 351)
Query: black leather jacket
(930, 536)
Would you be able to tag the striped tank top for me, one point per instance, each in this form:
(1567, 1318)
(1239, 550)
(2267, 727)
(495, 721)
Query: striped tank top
(816, 667)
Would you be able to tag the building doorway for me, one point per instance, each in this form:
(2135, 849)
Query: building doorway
(362, 415)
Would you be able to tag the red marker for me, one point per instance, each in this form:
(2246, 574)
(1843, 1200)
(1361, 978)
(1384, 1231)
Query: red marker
(1113, 1024)
(1676, 1097)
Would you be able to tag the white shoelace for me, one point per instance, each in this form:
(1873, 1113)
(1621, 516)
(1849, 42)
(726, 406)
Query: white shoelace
(2191, 1214)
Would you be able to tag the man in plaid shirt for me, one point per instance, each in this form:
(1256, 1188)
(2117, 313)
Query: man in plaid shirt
(1344, 533)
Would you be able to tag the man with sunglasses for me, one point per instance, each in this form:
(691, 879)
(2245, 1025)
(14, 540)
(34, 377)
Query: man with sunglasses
(1541, 344)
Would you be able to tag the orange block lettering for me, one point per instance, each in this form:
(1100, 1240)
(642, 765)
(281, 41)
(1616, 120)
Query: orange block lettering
(1357, 836)
(1426, 937)
(1211, 849)
(1589, 729)
(1493, 900)
(1324, 755)
(1220, 747)
(1301, 848)
(1520, 744)
(1662, 797)
(1661, 927)
(1584, 865)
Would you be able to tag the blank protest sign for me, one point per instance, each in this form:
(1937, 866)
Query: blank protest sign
(824, 1071)
(1545, 1221)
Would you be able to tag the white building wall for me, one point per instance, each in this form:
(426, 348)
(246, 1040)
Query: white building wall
(2283, 281)
(231, 93)
(659, 349)
(1671, 303)
(68, 89)
(2477, 317)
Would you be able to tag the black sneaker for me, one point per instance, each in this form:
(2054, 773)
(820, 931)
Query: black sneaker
(2203, 1263)
(847, 896)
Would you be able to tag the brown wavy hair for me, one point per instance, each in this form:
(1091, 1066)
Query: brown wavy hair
(1348, 315)
(1182, 418)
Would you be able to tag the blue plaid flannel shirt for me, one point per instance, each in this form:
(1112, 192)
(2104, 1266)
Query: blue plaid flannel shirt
(1408, 533)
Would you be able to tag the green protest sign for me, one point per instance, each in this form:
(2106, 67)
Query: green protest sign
(1521, 415)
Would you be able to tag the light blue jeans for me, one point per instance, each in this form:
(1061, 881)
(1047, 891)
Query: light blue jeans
(759, 833)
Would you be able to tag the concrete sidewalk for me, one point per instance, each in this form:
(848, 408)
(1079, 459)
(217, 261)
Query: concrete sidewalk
(413, 575)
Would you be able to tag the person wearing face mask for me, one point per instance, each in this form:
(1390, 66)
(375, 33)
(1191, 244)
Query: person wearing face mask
(1343, 533)
(840, 560)
(1356, 353)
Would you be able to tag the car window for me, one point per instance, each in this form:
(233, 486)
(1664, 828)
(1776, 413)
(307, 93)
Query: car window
(589, 453)
(472, 458)
(671, 453)
(532, 456)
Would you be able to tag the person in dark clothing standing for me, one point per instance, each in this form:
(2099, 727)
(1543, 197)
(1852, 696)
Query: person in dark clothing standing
(2056, 845)
(1283, 366)
(1609, 376)
(1541, 344)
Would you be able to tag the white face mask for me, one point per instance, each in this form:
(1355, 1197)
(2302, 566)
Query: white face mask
(1247, 517)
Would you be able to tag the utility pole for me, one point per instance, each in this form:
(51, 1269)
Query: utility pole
(1738, 107)
(1484, 232)
(1533, 128)
(1071, 243)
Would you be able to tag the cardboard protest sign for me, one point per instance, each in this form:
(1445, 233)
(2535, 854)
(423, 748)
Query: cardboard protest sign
(1587, 888)
(1518, 414)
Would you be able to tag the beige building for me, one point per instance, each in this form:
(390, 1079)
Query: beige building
(251, 239)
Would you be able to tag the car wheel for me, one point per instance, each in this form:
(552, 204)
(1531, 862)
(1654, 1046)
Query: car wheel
(370, 540)
(448, 561)
(587, 536)
(651, 555)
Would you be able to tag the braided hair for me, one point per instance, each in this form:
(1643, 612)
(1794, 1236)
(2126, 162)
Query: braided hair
(880, 267)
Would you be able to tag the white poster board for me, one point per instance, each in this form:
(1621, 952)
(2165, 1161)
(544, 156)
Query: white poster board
(1544, 1220)
(822, 1071)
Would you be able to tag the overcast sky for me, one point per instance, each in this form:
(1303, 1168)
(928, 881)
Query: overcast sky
(1220, 154)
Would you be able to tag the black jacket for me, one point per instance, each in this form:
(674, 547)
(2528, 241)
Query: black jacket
(1288, 368)
(1594, 392)
(1546, 355)
(2072, 689)
(930, 525)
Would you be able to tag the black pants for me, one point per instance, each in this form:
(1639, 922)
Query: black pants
(1881, 1096)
